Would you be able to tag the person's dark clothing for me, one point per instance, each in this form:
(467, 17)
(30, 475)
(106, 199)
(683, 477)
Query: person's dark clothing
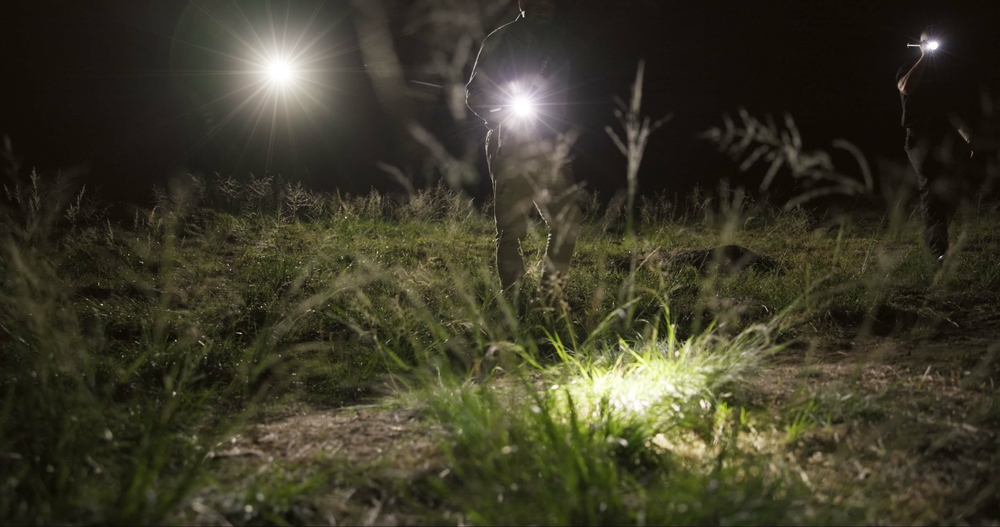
(939, 155)
(945, 93)
(925, 105)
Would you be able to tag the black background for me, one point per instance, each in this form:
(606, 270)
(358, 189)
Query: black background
(97, 85)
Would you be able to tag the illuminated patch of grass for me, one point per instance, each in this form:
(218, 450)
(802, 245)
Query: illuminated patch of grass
(619, 434)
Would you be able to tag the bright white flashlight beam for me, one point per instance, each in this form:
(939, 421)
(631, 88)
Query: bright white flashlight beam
(932, 46)
(523, 107)
(279, 72)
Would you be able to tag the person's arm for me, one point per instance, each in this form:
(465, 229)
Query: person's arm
(911, 81)
(482, 97)
(962, 131)
(482, 94)
(965, 134)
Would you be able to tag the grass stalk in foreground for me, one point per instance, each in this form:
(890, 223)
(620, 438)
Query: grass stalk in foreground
(637, 131)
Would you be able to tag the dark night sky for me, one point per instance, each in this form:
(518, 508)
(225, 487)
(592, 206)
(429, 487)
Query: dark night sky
(102, 84)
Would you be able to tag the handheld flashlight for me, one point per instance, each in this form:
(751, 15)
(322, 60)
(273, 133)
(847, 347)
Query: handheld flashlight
(523, 107)
(932, 45)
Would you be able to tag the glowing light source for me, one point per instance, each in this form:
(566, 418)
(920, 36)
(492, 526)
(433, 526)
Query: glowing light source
(279, 72)
(928, 45)
(523, 107)
(264, 72)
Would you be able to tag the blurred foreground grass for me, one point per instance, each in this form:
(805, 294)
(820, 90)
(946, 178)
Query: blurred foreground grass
(192, 365)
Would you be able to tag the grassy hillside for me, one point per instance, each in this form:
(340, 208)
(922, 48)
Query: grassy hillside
(252, 353)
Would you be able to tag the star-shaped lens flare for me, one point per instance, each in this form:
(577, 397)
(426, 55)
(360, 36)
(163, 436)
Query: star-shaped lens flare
(259, 74)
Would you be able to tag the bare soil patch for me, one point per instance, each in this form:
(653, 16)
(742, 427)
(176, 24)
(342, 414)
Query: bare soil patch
(357, 434)
(333, 466)
(909, 422)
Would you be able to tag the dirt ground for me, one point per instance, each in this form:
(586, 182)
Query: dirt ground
(305, 448)
(357, 434)
(911, 418)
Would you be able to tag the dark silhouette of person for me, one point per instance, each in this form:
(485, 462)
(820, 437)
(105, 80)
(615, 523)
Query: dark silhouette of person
(935, 95)
(519, 87)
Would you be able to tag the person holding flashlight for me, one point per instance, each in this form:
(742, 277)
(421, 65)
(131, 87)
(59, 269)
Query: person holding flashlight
(519, 87)
(937, 138)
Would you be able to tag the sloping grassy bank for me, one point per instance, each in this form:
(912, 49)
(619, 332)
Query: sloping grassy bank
(131, 352)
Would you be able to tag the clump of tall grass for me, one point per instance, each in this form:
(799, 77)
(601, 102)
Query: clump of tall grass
(637, 130)
(96, 427)
(614, 433)
(82, 436)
